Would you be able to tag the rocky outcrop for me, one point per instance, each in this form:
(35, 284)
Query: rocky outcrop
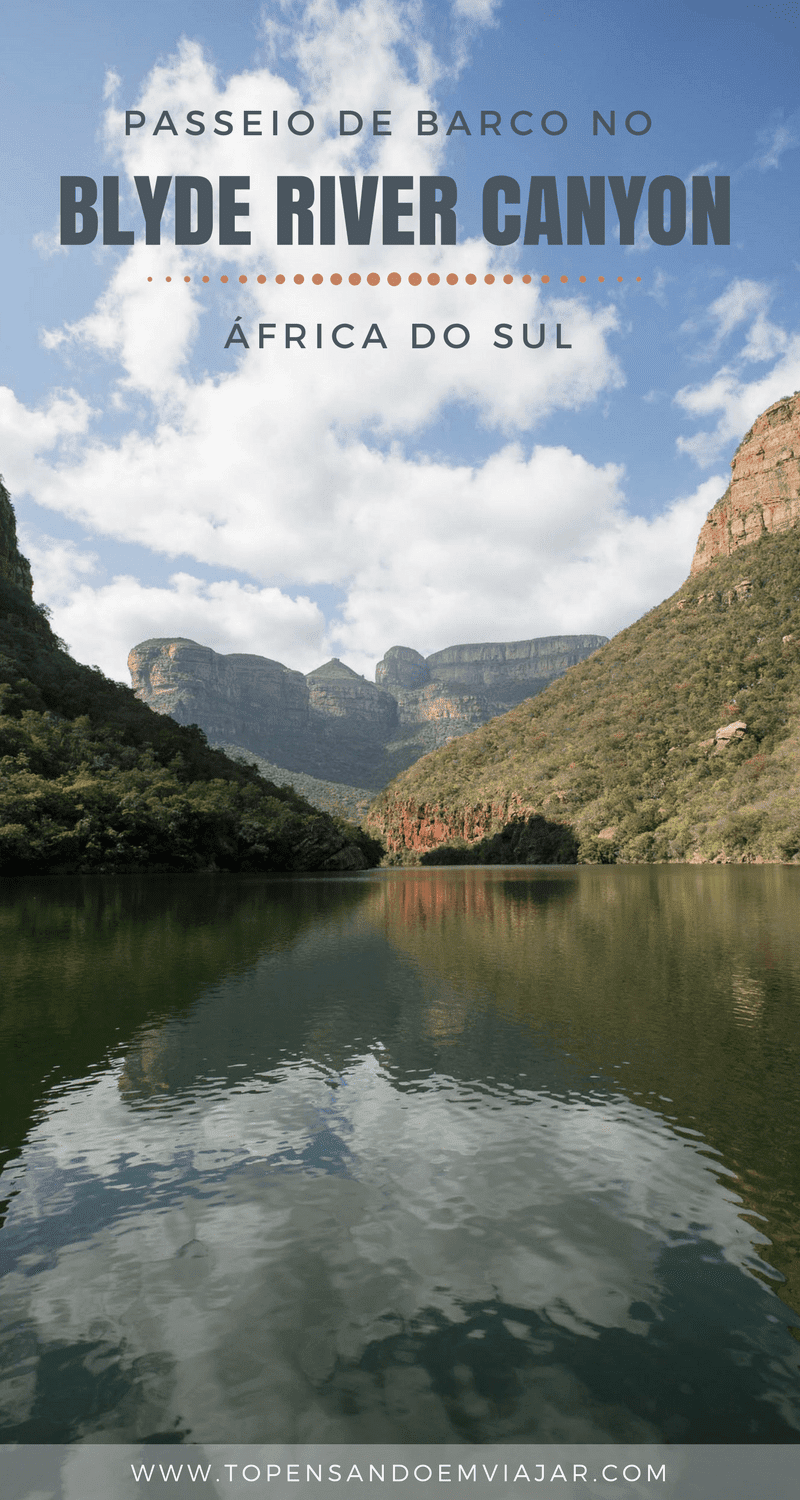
(421, 826)
(336, 690)
(511, 667)
(764, 492)
(402, 667)
(230, 697)
(13, 566)
(728, 734)
(332, 723)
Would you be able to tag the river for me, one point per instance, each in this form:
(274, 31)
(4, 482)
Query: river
(432, 1155)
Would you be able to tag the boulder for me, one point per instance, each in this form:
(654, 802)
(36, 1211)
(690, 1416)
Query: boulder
(729, 733)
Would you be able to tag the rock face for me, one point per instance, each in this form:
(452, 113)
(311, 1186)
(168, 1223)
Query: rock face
(764, 492)
(452, 692)
(334, 724)
(511, 666)
(421, 826)
(13, 565)
(402, 667)
(194, 685)
(338, 691)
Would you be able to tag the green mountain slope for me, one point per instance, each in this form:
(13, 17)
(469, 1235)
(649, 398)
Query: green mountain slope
(624, 751)
(92, 779)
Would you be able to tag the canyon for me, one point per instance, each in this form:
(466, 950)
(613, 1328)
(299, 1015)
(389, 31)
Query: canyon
(332, 723)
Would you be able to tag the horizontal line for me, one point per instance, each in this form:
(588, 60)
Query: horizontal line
(395, 279)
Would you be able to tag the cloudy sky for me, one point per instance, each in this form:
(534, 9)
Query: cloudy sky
(308, 502)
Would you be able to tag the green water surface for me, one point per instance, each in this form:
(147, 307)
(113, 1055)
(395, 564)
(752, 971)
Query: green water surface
(415, 1155)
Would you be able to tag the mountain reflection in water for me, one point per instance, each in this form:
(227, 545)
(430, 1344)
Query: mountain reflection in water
(430, 1155)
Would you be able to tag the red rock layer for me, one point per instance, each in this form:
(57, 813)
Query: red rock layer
(764, 492)
(411, 825)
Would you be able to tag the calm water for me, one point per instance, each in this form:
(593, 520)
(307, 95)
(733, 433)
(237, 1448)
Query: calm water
(431, 1155)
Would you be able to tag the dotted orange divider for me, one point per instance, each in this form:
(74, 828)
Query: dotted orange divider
(394, 279)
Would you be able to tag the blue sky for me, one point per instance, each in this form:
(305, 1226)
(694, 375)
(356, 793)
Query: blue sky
(303, 504)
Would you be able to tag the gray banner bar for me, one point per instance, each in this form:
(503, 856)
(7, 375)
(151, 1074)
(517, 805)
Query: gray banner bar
(317, 1471)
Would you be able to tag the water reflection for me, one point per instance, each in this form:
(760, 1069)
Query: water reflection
(432, 1155)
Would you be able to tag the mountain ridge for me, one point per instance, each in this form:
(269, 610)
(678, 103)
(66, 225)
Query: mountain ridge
(679, 740)
(331, 723)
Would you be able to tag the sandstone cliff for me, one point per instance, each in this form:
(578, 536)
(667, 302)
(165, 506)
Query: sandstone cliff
(764, 492)
(230, 697)
(511, 666)
(450, 693)
(332, 723)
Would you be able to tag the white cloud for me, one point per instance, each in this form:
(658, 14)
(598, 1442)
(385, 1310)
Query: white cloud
(658, 285)
(28, 432)
(741, 300)
(739, 403)
(111, 83)
(482, 11)
(741, 309)
(58, 565)
(764, 341)
(48, 242)
(301, 468)
(525, 545)
(779, 136)
(562, 555)
(268, 464)
(747, 302)
(101, 621)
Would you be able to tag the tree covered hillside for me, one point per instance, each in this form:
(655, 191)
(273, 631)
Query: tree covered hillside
(92, 779)
(635, 751)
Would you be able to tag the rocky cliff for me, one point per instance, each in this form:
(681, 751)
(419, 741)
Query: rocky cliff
(194, 685)
(511, 666)
(764, 493)
(332, 723)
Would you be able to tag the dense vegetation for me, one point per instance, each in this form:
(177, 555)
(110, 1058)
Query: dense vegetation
(92, 779)
(336, 797)
(622, 749)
